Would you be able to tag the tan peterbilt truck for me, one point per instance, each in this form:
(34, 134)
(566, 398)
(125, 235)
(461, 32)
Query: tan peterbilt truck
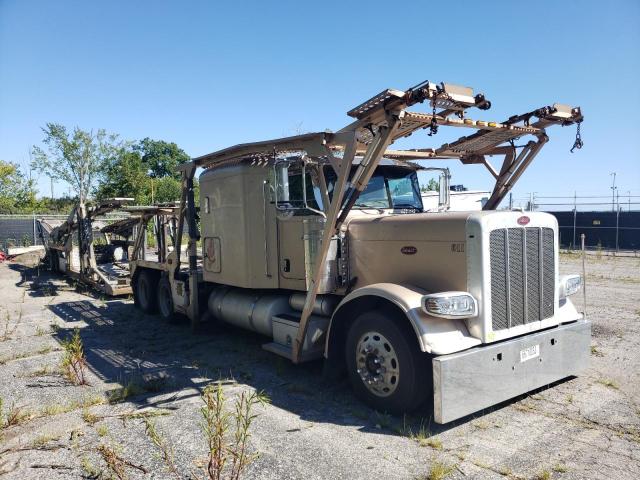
(320, 243)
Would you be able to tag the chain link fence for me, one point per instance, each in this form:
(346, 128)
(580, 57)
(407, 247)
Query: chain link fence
(23, 231)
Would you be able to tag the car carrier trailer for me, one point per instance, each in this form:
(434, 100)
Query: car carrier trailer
(71, 247)
(320, 243)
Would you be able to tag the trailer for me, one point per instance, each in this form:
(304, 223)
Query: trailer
(320, 242)
(87, 249)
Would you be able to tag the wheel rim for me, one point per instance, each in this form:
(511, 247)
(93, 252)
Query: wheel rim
(165, 301)
(377, 364)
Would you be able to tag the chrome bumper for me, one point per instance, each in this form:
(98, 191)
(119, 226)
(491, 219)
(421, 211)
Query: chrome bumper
(466, 382)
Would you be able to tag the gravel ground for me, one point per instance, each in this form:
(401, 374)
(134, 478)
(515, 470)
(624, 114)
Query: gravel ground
(586, 427)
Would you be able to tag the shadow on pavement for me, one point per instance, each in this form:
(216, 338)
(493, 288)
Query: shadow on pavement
(167, 361)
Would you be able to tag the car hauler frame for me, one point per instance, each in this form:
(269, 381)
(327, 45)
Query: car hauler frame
(456, 342)
(107, 274)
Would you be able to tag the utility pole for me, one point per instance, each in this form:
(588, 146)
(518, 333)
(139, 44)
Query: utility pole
(613, 192)
(510, 200)
(629, 193)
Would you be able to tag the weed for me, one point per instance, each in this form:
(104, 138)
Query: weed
(1, 413)
(432, 442)
(116, 464)
(383, 420)
(422, 435)
(481, 424)
(504, 470)
(360, 413)
(216, 425)
(19, 356)
(609, 383)
(16, 416)
(131, 389)
(439, 471)
(74, 362)
(90, 469)
(40, 331)
(543, 475)
(595, 352)
(560, 468)
(89, 418)
(461, 456)
(41, 372)
(524, 407)
(102, 430)
(44, 350)
(144, 415)
(569, 398)
(166, 451)
(56, 409)
(42, 440)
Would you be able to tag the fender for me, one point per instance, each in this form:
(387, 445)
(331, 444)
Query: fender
(437, 336)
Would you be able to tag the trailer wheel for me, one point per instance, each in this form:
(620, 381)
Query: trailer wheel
(144, 292)
(54, 263)
(386, 368)
(165, 300)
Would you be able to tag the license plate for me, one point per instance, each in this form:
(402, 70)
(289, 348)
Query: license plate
(530, 352)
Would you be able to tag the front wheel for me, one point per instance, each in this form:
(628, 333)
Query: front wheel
(386, 368)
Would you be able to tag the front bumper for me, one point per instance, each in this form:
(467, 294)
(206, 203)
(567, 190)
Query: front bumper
(483, 376)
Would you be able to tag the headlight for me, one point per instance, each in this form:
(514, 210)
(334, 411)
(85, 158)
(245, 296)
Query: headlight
(569, 284)
(450, 305)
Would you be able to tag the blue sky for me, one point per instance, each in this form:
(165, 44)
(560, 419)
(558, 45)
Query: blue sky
(207, 75)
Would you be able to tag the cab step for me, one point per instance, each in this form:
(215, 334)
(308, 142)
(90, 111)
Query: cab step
(285, 330)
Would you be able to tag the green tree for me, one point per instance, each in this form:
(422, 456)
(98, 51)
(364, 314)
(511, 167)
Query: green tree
(167, 189)
(145, 171)
(16, 192)
(161, 157)
(432, 186)
(125, 175)
(77, 158)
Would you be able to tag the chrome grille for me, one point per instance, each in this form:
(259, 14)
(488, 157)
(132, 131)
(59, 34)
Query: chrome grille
(522, 275)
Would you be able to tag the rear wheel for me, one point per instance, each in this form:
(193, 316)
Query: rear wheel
(54, 262)
(144, 293)
(386, 368)
(165, 300)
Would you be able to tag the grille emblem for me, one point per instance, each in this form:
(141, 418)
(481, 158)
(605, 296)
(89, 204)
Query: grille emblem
(409, 250)
(523, 220)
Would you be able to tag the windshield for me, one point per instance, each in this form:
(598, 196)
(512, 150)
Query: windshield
(389, 187)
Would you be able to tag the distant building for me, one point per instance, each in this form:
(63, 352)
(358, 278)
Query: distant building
(460, 200)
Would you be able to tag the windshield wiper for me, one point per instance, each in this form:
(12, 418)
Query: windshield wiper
(364, 205)
(406, 205)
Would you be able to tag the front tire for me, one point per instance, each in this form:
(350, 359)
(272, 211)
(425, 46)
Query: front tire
(386, 368)
(144, 293)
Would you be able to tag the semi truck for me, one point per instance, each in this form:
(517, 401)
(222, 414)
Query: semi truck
(320, 243)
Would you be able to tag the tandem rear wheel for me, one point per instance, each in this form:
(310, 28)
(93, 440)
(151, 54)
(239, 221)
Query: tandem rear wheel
(386, 368)
(144, 291)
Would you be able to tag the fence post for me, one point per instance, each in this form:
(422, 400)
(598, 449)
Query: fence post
(35, 239)
(584, 276)
(617, 225)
